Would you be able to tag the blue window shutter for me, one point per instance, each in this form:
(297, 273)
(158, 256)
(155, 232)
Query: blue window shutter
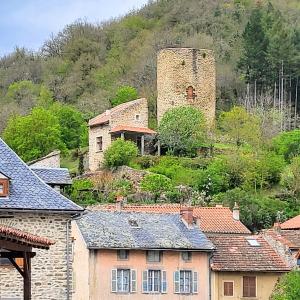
(163, 282)
(145, 281)
(114, 281)
(133, 281)
(176, 282)
(195, 282)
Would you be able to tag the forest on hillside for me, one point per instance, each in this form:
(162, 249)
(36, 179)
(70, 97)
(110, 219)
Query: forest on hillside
(47, 97)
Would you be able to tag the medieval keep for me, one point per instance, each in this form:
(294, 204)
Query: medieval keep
(185, 76)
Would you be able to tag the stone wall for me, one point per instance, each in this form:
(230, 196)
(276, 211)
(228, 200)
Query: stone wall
(95, 155)
(49, 267)
(52, 160)
(181, 68)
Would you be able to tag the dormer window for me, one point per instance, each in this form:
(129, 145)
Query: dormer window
(4, 187)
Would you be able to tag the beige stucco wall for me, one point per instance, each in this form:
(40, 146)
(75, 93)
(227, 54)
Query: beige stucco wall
(80, 265)
(124, 116)
(265, 285)
(104, 261)
(179, 68)
(49, 267)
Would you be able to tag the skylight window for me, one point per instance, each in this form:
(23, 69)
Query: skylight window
(253, 242)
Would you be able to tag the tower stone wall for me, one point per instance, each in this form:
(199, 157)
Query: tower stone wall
(186, 76)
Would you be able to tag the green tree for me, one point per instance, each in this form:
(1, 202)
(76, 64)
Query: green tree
(241, 126)
(73, 127)
(290, 177)
(156, 184)
(124, 94)
(34, 135)
(182, 130)
(120, 153)
(288, 287)
(253, 62)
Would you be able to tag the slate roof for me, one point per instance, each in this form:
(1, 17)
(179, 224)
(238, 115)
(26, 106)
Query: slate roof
(293, 223)
(235, 254)
(55, 176)
(112, 230)
(211, 219)
(23, 237)
(27, 191)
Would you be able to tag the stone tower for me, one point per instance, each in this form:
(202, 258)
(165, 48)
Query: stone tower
(186, 76)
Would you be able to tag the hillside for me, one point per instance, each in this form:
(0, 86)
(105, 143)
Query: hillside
(85, 63)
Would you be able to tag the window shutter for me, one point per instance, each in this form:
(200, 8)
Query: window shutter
(176, 282)
(163, 281)
(145, 281)
(133, 281)
(114, 281)
(195, 282)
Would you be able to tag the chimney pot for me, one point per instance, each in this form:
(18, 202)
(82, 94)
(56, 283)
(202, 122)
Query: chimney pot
(236, 212)
(187, 215)
(119, 202)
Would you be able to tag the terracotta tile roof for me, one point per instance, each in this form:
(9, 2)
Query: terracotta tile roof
(24, 237)
(211, 219)
(105, 117)
(293, 223)
(120, 128)
(289, 238)
(235, 254)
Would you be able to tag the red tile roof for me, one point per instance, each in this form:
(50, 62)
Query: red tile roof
(235, 254)
(293, 223)
(211, 219)
(289, 238)
(23, 237)
(120, 128)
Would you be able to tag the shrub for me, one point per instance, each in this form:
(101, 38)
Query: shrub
(182, 130)
(81, 192)
(288, 287)
(124, 94)
(121, 187)
(120, 153)
(156, 184)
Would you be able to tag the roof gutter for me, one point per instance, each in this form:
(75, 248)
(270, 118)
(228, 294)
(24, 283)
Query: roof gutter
(159, 249)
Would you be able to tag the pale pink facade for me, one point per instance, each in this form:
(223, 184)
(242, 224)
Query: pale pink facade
(97, 266)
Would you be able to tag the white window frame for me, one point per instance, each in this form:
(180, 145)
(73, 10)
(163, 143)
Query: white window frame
(223, 287)
(131, 281)
(150, 288)
(194, 282)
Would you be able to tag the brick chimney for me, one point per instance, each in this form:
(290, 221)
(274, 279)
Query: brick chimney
(277, 226)
(236, 212)
(187, 216)
(119, 202)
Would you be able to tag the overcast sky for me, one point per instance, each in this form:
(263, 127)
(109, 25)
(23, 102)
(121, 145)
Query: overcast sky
(28, 23)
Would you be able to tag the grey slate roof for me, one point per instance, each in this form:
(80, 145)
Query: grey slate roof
(55, 176)
(104, 229)
(27, 191)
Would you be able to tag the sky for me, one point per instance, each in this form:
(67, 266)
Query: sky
(28, 23)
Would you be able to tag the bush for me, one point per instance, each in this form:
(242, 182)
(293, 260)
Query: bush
(288, 287)
(124, 94)
(120, 153)
(156, 184)
(182, 130)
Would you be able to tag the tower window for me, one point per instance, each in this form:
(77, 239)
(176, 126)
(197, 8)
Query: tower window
(99, 141)
(137, 117)
(190, 93)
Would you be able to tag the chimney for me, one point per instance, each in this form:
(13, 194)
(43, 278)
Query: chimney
(187, 216)
(119, 202)
(277, 227)
(236, 212)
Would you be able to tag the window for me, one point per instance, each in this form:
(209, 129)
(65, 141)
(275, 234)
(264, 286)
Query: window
(154, 281)
(185, 282)
(249, 286)
(186, 255)
(123, 281)
(123, 254)
(253, 242)
(228, 288)
(4, 186)
(153, 256)
(99, 141)
(137, 117)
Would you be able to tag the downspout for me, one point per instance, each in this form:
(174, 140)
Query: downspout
(209, 275)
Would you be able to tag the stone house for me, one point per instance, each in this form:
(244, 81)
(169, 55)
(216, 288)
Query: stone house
(136, 255)
(128, 120)
(28, 203)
